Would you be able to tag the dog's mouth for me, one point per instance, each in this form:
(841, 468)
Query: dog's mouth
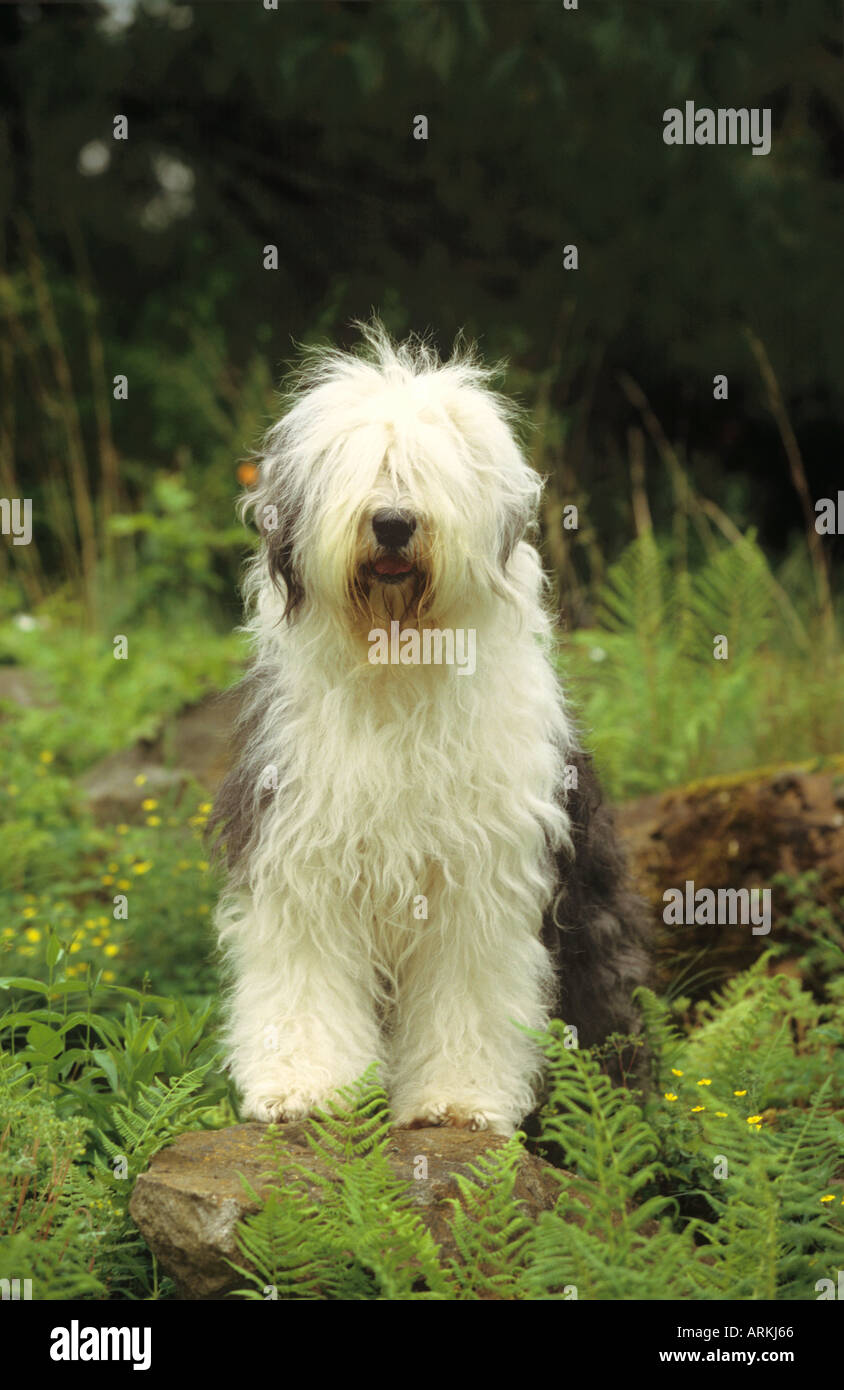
(392, 569)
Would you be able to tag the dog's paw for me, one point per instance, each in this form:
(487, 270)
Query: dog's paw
(275, 1109)
(444, 1114)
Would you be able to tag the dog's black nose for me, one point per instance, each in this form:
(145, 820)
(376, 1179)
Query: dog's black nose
(393, 529)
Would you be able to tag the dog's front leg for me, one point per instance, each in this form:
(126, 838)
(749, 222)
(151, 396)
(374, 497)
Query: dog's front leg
(459, 1057)
(301, 1017)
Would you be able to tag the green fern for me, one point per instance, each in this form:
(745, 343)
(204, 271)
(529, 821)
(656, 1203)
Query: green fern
(159, 1112)
(691, 1193)
(722, 1181)
(602, 1239)
(50, 1207)
(772, 1237)
(489, 1228)
(657, 706)
(361, 1238)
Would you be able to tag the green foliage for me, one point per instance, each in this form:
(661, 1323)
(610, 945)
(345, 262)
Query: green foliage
(63, 871)
(491, 1234)
(89, 703)
(815, 919)
(87, 1095)
(158, 1114)
(657, 706)
(347, 1229)
(602, 1237)
(771, 1237)
(51, 1211)
(759, 1082)
(723, 1181)
(178, 545)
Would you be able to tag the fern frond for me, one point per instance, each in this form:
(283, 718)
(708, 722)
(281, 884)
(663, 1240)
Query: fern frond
(489, 1228)
(346, 1227)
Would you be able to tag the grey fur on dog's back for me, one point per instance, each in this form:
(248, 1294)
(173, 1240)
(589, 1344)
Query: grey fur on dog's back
(596, 929)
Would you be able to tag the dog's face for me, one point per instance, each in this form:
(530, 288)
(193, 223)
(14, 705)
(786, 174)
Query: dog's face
(393, 493)
(391, 567)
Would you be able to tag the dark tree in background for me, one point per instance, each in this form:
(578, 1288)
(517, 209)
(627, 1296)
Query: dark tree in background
(294, 128)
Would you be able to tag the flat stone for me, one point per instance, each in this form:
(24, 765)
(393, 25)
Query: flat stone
(189, 1201)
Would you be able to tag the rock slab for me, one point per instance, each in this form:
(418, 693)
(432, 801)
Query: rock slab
(189, 1201)
(738, 832)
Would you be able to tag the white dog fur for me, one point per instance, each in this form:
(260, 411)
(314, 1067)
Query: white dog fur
(392, 829)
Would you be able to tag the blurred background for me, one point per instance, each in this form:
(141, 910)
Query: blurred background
(142, 342)
(246, 128)
(151, 151)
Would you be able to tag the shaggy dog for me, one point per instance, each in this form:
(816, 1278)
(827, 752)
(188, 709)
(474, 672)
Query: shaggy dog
(418, 859)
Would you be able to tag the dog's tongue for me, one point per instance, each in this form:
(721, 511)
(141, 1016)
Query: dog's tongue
(392, 564)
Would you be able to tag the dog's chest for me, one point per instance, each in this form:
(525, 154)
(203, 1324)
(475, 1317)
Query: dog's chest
(411, 773)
